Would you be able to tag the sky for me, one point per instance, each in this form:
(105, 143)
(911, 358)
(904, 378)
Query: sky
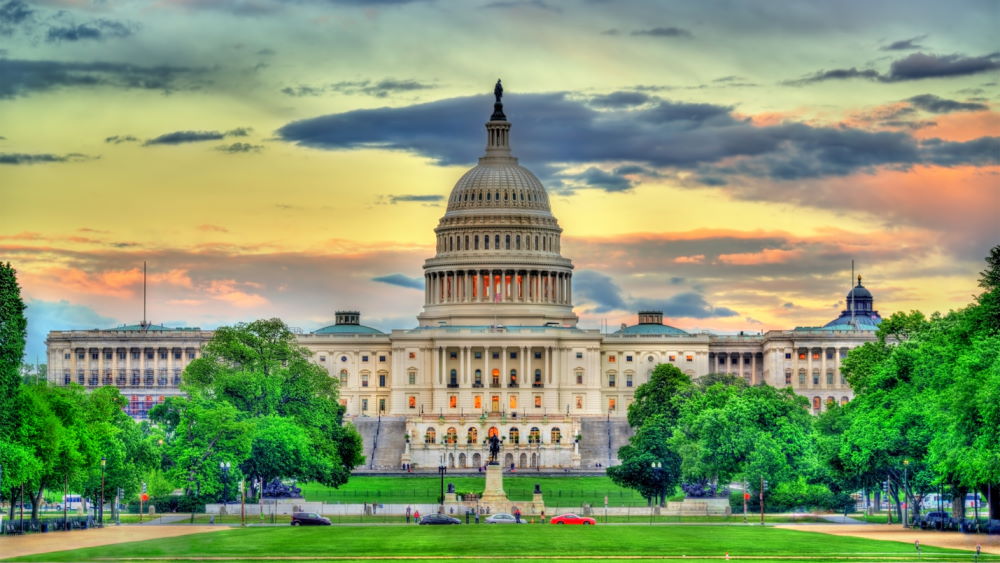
(723, 161)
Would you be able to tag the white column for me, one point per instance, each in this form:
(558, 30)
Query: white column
(503, 367)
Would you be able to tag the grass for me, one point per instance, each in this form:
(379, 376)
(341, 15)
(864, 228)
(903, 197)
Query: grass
(636, 518)
(558, 490)
(560, 543)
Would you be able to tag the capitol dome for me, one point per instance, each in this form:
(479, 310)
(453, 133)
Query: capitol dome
(498, 257)
(860, 313)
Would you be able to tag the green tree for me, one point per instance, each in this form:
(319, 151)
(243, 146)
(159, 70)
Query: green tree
(13, 330)
(661, 395)
(647, 446)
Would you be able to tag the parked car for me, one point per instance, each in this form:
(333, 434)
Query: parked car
(438, 520)
(573, 519)
(936, 519)
(309, 519)
(503, 518)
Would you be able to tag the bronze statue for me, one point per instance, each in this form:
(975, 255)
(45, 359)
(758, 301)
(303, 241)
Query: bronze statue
(498, 90)
(494, 443)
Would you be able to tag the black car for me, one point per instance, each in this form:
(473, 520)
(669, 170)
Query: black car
(309, 519)
(937, 519)
(438, 520)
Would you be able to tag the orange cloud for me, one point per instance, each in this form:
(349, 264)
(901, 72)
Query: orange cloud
(963, 126)
(226, 290)
(766, 256)
(696, 259)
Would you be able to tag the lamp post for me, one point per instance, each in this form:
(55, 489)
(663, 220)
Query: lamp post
(224, 466)
(906, 495)
(442, 469)
(100, 510)
(657, 468)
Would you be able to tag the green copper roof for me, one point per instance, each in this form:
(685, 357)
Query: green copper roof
(651, 328)
(347, 329)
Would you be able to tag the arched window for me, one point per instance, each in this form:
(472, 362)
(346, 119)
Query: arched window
(515, 436)
(816, 403)
(788, 377)
(479, 378)
(364, 379)
(556, 435)
(493, 431)
(451, 436)
(466, 242)
(488, 195)
(473, 435)
(830, 401)
(343, 377)
(536, 242)
(545, 243)
(411, 376)
(843, 400)
(430, 436)
(534, 435)
(517, 242)
(507, 242)
(802, 376)
(495, 377)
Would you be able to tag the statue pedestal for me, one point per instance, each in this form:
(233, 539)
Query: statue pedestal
(493, 495)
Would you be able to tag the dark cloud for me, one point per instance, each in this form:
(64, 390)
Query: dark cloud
(540, 4)
(21, 158)
(22, 77)
(936, 104)
(236, 148)
(181, 137)
(401, 281)
(663, 32)
(98, 29)
(12, 14)
(620, 99)
(46, 316)
(789, 305)
(378, 89)
(420, 198)
(119, 139)
(705, 138)
(913, 67)
(690, 304)
(599, 289)
(611, 32)
(984, 151)
(905, 44)
(599, 179)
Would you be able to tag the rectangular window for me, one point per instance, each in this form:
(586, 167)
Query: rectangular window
(538, 401)
(413, 355)
(579, 402)
(478, 355)
(381, 358)
(611, 380)
(628, 358)
(722, 360)
(364, 358)
(381, 380)
(802, 379)
(477, 402)
(177, 355)
(322, 358)
(802, 355)
(538, 355)
(513, 355)
(843, 354)
(611, 359)
(453, 355)
(413, 378)
(579, 378)
(190, 355)
(579, 355)
(815, 379)
(496, 355)
(381, 405)
(364, 405)
(829, 378)
(453, 401)
(788, 379)
(513, 401)
(829, 354)
(673, 358)
(689, 358)
(788, 355)
(628, 380)
(66, 356)
(611, 403)
(815, 355)
(163, 354)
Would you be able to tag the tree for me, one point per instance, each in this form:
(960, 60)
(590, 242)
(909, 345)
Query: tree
(661, 395)
(13, 330)
(647, 446)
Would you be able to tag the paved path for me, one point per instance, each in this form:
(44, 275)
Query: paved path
(16, 546)
(895, 532)
(833, 518)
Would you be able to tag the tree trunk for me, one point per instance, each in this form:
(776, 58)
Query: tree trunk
(993, 497)
(36, 499)
(958, 501)
(13, 495)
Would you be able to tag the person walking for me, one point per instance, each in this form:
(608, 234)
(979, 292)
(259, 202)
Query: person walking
(517, 515)
(416, 516)
(408, 514)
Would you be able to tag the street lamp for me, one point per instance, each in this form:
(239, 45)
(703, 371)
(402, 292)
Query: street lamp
(657, 471)
(442, 469)
(100, 511)
(224, 466)
(906, 494)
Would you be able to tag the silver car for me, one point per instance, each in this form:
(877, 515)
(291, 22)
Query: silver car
(503, 518)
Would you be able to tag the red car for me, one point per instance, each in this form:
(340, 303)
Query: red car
(573, 519)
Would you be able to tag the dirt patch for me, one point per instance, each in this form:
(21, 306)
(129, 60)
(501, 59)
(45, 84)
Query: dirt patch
(893, 532)
(16, 546)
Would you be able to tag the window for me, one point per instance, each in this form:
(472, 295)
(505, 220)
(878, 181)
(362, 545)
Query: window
(364, 405)
(815, 355)
(555, 435)
(538, 377)
(816, 403)
(579, 377)
(163, 354)
(611, 404)
(411, 401)
(472, 436)
(534, 435)
(66, 356)
(430, 436)
(689, 358)
(513, 378)
(496, 378)
(478, 382)
(802, 355)
(496, 355)
(843, 401)
(538, 401)
(149, 354)
(513, 355)
(191, 355)
(93, 355)
(579, 401)
(788, 378)
(177, 355)
(611, 379)
(413, 355)
(673, 358)
(79, 355)
(829, 354)
(815, 378)
(843, 354)
(628, 358)
(453, 378)
(381, 358)
(802, 377)
(364, 380)
(343, 358)
(788, 355)
(513, 401)
(515, 436)
(538, 355)
(477, 402)
(611, 359)
(579, 355)
(322, 358)
(364, 358)
(486, 241)
(381, 380)
(412, 375)
(453, 355)
(628, 380)
(381, 404)
(453, 401)
(343, 377)
(829, 378)
(722, 360)
(477, 355)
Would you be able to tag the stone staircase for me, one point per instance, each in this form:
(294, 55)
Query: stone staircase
(601, 439)
(383, 441)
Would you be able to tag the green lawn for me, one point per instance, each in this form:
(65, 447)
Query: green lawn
(558, 490)
(560, 543)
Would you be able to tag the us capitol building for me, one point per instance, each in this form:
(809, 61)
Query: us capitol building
(496, 349)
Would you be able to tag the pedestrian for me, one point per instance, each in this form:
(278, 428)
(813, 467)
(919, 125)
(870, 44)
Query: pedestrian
(416, 516)
(408, 514)
(477, 517)
(517, 515)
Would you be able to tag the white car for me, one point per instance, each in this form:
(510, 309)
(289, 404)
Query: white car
(503, 518)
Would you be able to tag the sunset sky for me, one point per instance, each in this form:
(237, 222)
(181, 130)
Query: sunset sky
(723, 161)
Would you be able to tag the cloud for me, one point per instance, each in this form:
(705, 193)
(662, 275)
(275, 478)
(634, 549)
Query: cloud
(664, 32)
(119, 139)
(601, 180)
(239, 148)
(98, 29)
(22, 77)
(689, 305)
(620, 99)
(181, 137)
(212, 228)
(419, 198)
(598, 289)
(379, 89)
(936, 104)
(12, 14)
(401, 281)
(21, 158)
(913, 67)
(539, 4)
(45, 316)
(765, 256)
(905, 44)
